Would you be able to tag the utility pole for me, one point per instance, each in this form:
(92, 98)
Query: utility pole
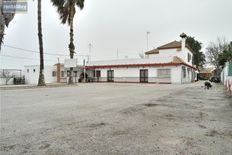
(117, 53)
(147, 39)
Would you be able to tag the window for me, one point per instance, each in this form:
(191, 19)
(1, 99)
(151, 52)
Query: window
(184, 72)
(189, 57)
(53, 73)
(97, 73)
(110, 76)
(164, 73)
(34, 70)
(62, 73)
(75, 73)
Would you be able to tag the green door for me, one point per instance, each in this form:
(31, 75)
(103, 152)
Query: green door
(230, 69)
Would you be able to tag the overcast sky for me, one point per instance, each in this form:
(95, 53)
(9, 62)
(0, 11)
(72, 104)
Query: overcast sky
(114, 25)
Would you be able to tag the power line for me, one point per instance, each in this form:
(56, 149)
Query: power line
(33, 51)
(17, 57)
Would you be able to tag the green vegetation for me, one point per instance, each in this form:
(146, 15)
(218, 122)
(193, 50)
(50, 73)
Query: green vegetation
(198, 55)
(226, 55)
(213, 51)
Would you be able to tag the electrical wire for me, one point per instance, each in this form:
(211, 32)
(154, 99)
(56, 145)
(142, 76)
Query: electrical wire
(17, 57)
(45, 53)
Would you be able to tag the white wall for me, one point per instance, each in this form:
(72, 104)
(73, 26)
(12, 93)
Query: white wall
(3, 81)
(224, 74)
(32, 74)
(131, 74)
(173, 52)
(176, 74)
(161, 59)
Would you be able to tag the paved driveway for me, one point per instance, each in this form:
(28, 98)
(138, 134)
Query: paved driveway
(116, 119)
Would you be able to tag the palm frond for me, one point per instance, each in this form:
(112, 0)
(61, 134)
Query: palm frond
(80, 3)
(64, 8)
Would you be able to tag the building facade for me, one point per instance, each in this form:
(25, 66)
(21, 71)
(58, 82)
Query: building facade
(169, 63)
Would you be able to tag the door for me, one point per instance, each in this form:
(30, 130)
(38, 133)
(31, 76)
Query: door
(110, 76)
(143, 75)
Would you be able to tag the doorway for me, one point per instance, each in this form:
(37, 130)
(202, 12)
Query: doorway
(110, 76)
(144, 75)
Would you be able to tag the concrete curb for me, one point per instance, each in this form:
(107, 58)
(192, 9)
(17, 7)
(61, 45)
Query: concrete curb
(15, 87)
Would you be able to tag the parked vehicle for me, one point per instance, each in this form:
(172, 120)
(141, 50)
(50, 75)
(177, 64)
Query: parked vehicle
(215, 79)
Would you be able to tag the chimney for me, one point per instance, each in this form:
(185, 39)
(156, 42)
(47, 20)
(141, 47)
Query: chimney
(183, 40)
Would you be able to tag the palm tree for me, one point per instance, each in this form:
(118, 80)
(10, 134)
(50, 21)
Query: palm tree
(41, 81)
(5, 19)
(66, 10)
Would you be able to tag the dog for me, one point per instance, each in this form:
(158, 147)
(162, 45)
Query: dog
(208, 85)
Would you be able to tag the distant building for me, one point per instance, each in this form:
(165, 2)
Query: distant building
(206, 73)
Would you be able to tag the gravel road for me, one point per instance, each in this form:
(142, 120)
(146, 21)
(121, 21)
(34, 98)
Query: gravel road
(110, 118)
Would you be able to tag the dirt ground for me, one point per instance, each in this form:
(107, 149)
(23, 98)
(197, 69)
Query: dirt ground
(116, 119)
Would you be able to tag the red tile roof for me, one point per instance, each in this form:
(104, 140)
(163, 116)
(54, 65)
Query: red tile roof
(171, 45)
(175, 62)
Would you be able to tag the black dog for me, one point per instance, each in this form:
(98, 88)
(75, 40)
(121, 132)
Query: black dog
(208, 85)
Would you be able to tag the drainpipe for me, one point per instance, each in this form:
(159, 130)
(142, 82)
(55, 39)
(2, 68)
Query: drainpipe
(84, 69)
(58, 72)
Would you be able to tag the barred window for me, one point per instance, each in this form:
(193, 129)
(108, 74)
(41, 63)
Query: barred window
(75, 73)
(53, 73)
(163, 73)
(184, 72)
(189, 57)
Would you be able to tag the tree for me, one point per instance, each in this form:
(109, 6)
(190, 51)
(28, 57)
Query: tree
(6, 75)
(41, 81)
(5, 19)
(66, 10)
(198, 55)
(213, 51)
(226, 55)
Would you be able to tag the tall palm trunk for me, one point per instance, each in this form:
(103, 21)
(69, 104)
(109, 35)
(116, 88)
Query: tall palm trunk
(71, 45)
(41, 81)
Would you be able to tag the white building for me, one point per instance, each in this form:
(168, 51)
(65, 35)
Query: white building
(53, 74)
(169, 63)
(226, 76)
(31, 74)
